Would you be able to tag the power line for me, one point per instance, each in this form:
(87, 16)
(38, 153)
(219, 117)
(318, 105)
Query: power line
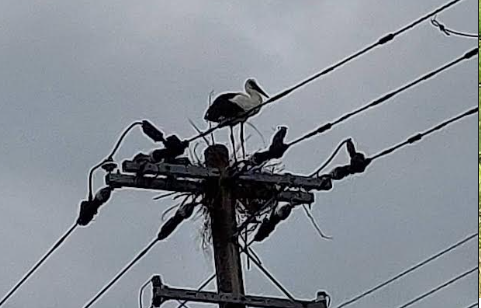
(271, 277)
(448, 31)
(383, 40)
(141, 292)
(419, 298)
(122, 272)
(110, 156)
(39, 263)
(419, 136)
(385, 97)
(473, 305)
(409, 270)
(184, 212)
(324, 165)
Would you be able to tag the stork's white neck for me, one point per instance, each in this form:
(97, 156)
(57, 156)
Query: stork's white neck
(255, 96)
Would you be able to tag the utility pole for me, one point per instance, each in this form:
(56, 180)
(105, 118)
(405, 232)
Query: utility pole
(221, 192)
(223, 223)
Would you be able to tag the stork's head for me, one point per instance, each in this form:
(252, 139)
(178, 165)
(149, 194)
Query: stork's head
(251, 85)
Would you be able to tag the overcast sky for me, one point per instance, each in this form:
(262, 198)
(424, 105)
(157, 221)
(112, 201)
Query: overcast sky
(74, 74)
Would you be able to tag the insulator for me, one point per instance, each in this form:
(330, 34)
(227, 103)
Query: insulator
(326, 183)
(266, 228)
(109, 166)
(103, 195)
(158, 155)
(169, 227)
(359, 163)
(340, 172)
(350, 148)
(88, 209)
(156, 284)
(152, 132)
(283, 211)
(156, 281)
(174, 147)
(186, 210)
(277, 150)
(323, 297)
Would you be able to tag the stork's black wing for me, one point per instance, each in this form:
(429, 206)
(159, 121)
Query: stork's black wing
(223, 108)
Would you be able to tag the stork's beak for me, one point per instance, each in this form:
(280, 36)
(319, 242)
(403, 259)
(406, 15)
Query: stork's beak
(258, 89)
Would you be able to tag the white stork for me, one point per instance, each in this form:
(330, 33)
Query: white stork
(233, 104)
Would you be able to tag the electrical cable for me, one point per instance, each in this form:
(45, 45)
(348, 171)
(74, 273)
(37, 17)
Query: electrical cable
(409, 270)
(39, 263)
(141, 292)
(432, 291)
(448, 31)
(184, 212)
(383, 40)
(267, 273)
(121, 273)
(419, 136)
(473, 305)
(382, 99)
(111, 155)
(324, 165)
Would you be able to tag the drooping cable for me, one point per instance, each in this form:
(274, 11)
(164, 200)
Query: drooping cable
(449, 32)
(110, 156)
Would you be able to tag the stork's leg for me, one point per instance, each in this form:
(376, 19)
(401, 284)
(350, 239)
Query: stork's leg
(242, 140)
(232, 140)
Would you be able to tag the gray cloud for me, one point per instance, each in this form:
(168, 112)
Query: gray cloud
(74, 74)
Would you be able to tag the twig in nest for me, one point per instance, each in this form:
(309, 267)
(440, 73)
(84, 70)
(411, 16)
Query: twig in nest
(164, 195)
(199, 132)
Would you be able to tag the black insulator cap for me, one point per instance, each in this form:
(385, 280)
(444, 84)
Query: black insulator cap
(88, 209)
(158, 155)
(186, 210)
(156, 283)
(109, 166)
(259, 158)
(350, 148)
(359, 163)
(103, 195)
(277, 150)
(172, 142)
(471, 53)
(266, 228)
(169, 227)
(173, 147)
(326, 182)
(340, 172)
(150, 130)
(283, 211)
